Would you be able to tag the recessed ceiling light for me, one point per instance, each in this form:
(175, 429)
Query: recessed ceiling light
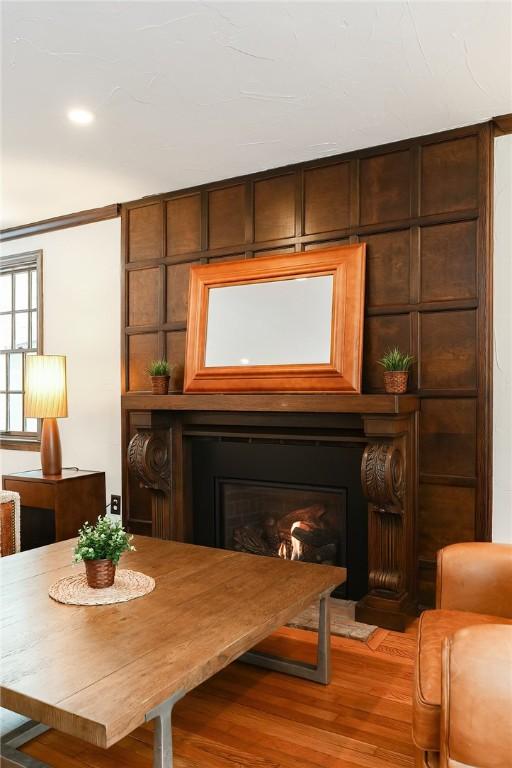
(80, 116)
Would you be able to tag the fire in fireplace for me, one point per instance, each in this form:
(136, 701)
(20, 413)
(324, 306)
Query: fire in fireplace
(279, 520)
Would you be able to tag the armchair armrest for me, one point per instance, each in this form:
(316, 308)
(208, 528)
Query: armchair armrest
(476, 699)
(9, 523)
(475, 576)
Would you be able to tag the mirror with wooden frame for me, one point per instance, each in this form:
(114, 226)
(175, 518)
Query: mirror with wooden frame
(290, 323)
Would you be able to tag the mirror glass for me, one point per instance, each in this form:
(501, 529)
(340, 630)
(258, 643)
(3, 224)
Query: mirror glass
(280, 322)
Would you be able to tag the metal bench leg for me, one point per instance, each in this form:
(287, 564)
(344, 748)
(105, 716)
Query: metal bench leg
(319, 672)
(162, 739)
(11, 741)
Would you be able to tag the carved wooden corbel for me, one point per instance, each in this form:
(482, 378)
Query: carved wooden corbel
(383, 476)
(149, 458)
(383, 482)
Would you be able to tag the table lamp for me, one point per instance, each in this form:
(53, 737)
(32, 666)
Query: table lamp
(46, 398)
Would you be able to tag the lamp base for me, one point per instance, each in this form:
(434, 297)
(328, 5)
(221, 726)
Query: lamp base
(51, 454)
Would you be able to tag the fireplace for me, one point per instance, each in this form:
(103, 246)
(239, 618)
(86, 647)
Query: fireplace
(282, 499)
(188, 449)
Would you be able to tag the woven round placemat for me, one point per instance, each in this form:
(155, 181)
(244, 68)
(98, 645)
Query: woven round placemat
(74, 590)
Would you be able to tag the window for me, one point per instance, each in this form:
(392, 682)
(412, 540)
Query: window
(20, 335)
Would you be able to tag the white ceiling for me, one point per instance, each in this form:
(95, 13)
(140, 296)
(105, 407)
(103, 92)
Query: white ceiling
(189, 92)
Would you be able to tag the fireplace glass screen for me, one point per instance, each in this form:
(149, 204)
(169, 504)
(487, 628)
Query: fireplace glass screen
(288, 521)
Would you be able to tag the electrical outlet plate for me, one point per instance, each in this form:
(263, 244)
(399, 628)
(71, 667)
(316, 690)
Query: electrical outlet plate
(115, 505)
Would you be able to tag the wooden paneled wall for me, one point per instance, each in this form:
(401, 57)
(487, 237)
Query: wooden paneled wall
(423, 208)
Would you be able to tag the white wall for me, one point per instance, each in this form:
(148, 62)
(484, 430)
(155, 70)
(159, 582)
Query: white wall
(502, 389)
(81, 285)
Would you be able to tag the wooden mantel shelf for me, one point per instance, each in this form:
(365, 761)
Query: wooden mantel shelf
(293, 403)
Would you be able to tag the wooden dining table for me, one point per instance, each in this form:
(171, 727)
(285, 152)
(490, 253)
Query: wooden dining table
(98, 672)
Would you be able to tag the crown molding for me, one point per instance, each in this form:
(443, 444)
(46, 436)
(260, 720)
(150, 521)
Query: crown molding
(502, 124)
(61, 222)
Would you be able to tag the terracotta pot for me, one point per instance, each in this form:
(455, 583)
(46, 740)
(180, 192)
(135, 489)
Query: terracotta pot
(100, 573)
(160, 385)
(395, 382)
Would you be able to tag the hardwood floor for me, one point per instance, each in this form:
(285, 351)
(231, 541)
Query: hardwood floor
(250, 718)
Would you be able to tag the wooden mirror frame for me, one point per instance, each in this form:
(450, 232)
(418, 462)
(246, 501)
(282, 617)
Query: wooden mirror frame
(346, 263)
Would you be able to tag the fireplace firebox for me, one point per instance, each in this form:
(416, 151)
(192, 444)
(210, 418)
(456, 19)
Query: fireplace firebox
(294, 501)
(280, 520)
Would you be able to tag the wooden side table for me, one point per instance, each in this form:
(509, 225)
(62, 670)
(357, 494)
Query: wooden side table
(54, 507)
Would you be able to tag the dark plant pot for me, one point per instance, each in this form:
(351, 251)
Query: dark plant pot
(395, 382)
(100, 573)
(160, 385)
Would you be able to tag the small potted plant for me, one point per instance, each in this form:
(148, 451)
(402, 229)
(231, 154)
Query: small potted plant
(396, 366)
(100, 546)
(160, 372)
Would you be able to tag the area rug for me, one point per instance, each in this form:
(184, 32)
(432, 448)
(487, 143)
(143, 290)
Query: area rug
(343, 621)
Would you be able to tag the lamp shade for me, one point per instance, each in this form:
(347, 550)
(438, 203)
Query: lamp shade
(45, 386)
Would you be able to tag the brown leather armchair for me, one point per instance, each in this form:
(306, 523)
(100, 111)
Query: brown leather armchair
(476, 698)
(474, 590)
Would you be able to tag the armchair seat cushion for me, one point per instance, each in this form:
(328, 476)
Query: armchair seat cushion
(434, 626)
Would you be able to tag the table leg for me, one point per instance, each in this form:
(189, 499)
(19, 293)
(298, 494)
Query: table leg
(11, 741)
(162, 739)
(319, 672)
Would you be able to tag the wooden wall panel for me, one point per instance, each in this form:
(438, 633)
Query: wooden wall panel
(274, 251)
(423, 208)
(388, 268)
(326, 198)
(177, 291)
(143, 296)
(183, 225)
(448, 261)
(449, 175)
(142, 349)
(446, 516)
(231, 257)
(145, 232)
(448, 437)
(385, 187)
(175, 347)
(447, 357)
(326, 244)
(426, 587)
(226, 218)
(274, 208)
